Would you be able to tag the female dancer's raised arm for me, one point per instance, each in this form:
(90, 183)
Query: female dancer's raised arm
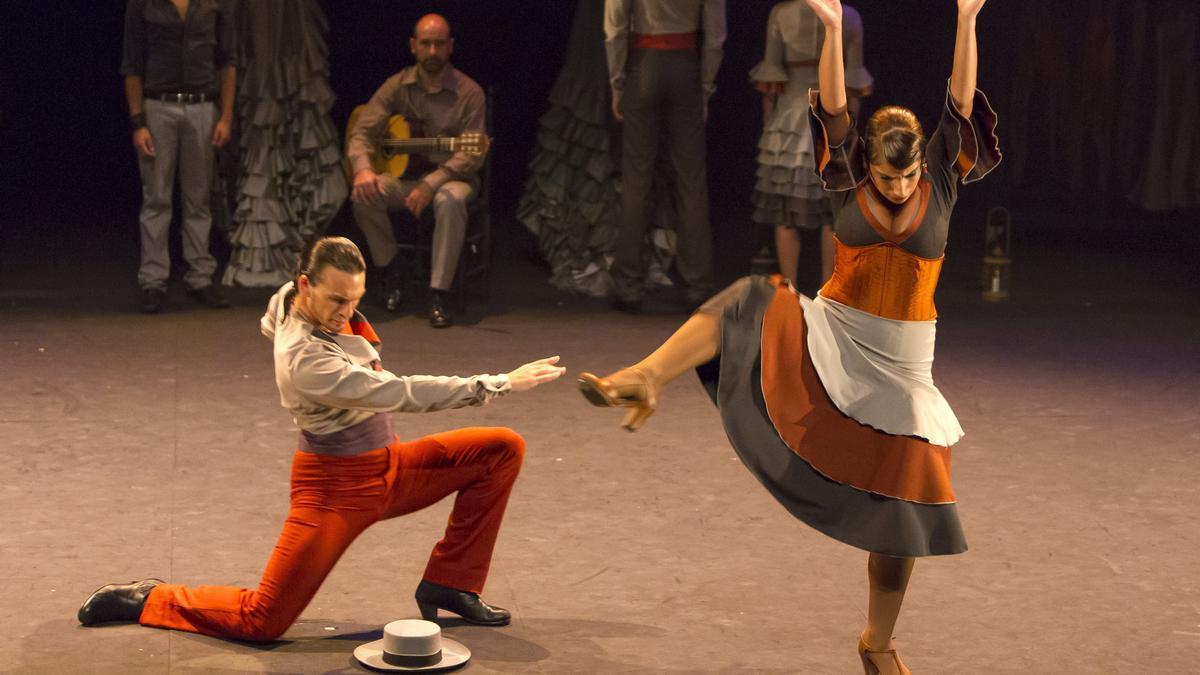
(966, 57)
(831, 72)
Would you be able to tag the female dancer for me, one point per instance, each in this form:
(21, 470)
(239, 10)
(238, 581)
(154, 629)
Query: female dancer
(788, 193)
(830, 401)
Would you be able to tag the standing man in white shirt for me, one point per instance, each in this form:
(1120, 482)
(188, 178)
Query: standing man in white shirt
(663, 57)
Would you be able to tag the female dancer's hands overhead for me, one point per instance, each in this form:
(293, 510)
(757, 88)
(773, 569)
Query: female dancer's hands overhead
(970, 8)
(831, 71)
(828, 11)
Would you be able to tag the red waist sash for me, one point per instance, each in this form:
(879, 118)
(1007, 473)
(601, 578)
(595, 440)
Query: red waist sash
(664, 41)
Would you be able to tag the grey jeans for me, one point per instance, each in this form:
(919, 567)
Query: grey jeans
(182, 135)
(663, 106)
(449, 228)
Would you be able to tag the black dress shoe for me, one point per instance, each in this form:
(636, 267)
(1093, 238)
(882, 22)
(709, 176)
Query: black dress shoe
(152, 300)
(392, 300)
(116, 602)
(431, 597)
(393, 281)
(439, 315)
(627, 306)
(209, 296)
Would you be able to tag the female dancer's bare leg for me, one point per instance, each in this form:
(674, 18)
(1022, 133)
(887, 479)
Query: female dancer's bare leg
(696, 342)
(787, 251)
(788, 248)
(888, 579)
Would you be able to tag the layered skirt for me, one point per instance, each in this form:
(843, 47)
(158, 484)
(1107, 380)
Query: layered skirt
(787, 190)
(290, 181)
(834, 411)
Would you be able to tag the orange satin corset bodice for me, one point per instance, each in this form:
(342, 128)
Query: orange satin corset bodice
(885, 280)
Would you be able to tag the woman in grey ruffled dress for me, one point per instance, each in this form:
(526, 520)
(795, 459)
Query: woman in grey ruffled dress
(289, 181)
(572, 197)
(788, 193)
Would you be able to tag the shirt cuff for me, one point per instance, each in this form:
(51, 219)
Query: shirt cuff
(436, 179)
(497, 384)
(360, 162)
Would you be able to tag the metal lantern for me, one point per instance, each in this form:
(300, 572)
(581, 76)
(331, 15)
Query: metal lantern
(997, 266)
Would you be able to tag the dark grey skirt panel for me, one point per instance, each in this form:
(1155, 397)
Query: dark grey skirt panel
(861, 519)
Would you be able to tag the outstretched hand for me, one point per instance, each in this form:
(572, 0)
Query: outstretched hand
(830, 11)
(534, 373)
(969, 9)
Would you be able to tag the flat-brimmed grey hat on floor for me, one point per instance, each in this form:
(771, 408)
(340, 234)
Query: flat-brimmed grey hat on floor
(411, 646)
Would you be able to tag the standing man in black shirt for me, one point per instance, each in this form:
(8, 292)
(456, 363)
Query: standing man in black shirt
(179, 60)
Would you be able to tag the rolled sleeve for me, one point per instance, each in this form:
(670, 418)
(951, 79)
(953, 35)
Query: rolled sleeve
(370, 125)
(133, 49)
(227, 39)
(714, 40)
(462, 165)
(616, 40)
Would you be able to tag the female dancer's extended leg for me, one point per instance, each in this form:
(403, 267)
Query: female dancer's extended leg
(696, 342)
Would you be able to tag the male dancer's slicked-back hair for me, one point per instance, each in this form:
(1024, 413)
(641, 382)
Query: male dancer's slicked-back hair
(337, 252)
(895, 136)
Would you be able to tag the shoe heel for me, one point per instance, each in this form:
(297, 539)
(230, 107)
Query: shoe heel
(428, 611)
(636, 417)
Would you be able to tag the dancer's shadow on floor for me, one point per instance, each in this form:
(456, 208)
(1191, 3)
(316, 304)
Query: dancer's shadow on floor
(526, 641)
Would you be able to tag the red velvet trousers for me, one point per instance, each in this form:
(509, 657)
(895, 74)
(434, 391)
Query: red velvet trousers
(333, 500)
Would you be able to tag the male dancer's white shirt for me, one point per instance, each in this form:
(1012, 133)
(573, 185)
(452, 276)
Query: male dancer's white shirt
(333, 382)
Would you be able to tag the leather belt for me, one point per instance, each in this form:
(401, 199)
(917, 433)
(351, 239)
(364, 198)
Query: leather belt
(664, 41)
(181, 97)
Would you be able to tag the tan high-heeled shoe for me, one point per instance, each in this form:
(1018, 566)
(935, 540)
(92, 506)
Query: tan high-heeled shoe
(620, 391)
(869, 667)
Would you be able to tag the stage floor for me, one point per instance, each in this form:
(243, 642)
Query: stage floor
(141, 446)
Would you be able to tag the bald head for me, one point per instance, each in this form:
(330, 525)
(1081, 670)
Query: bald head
(432, 24)
(431, 44)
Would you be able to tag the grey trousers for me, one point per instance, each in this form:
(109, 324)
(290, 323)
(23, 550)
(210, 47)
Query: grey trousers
(182, 135)
(663, 106)
(449, 226)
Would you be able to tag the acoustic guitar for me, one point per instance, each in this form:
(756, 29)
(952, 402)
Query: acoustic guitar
(392, 153)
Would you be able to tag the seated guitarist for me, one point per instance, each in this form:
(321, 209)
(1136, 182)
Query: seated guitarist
(437, 100)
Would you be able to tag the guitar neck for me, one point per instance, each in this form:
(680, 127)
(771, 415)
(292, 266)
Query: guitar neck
(421, 144)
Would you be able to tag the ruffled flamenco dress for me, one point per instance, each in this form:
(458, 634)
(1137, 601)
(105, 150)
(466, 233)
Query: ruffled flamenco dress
(572, 199)
(290, 181)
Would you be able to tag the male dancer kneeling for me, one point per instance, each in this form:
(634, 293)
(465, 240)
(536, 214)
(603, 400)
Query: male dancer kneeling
(351, 470)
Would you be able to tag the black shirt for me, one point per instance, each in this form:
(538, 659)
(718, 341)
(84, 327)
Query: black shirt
(177, 54)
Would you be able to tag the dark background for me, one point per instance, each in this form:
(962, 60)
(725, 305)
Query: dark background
(70, 184)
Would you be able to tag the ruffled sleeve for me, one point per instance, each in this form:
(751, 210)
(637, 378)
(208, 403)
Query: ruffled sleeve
(772, 68)
(840, 167)
(966, 146)
(859, 82)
